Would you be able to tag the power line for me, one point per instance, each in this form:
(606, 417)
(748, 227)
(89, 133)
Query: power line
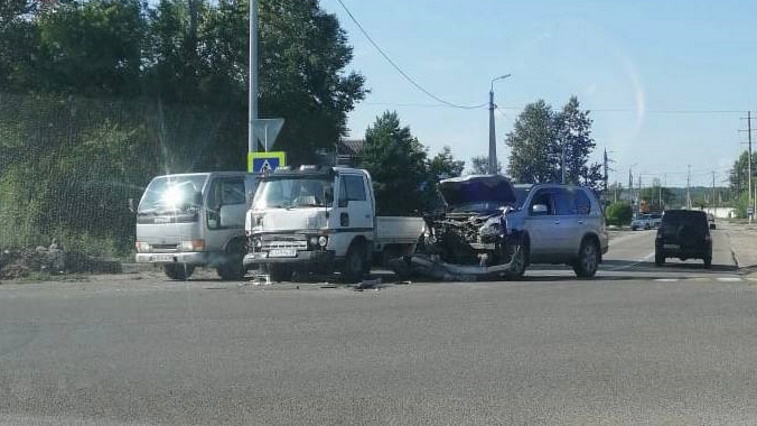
(399, 70)
(602, 110)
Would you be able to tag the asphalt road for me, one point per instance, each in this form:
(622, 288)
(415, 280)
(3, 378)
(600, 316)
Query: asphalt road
(639, 344)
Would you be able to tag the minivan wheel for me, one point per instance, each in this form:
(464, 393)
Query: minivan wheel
(178, 271)
(588, 260)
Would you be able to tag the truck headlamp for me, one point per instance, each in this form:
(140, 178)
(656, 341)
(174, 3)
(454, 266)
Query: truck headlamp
(192, 245)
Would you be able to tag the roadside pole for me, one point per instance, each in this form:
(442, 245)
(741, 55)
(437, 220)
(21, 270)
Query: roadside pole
(253, 79)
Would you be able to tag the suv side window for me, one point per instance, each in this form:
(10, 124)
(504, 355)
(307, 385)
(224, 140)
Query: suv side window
(581, 203)
(563, 202)
(544, 197)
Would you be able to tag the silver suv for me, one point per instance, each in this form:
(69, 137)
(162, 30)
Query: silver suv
(559, 224)
(490, 228)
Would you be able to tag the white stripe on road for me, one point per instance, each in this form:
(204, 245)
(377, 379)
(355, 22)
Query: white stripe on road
(644, 259)
(729, 279)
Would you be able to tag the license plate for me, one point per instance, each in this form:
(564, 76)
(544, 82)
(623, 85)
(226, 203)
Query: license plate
(163, 258)
(282, 253)
(671, 246)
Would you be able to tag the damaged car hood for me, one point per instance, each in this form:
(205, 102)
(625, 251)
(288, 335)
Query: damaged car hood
(472, 189)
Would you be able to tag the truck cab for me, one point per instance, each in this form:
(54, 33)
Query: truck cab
(195, 219)
(322, 219)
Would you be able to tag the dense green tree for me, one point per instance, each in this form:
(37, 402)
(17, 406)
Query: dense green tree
(573, 132)
(543, 142)
(480, 165)
(738, 177)
(18, 44)
(534, 156)
(443, 165)
(657, 197)
(304, 53)
(397, 163)
(91, 48)
(620, 213)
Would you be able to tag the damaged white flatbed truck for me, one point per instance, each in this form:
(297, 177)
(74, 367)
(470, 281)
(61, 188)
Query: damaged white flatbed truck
(323, 220)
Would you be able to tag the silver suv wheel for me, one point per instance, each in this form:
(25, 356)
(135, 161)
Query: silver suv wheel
(588, 259)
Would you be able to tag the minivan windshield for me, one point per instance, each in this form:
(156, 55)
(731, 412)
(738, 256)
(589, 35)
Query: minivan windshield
(294, 192)
(171, 194)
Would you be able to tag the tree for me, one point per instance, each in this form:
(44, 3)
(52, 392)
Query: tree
(619, 213)
(534, 156)
(397, 163)
(543, 142)
(657, 197)
(91, 48)
(738, 178)
(574, 139)
(443, 165)
(303, 54)
(18, 44)
(480, 165)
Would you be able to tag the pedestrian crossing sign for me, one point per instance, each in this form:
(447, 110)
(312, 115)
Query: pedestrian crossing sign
(261, 162)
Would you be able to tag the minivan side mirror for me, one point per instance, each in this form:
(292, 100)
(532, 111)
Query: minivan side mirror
(197, 198)
(131, 206)
(539, 209)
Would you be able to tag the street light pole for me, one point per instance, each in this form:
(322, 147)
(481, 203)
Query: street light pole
(492, 136)
(253, 78)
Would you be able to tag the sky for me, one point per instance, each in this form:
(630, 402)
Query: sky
(667, 83)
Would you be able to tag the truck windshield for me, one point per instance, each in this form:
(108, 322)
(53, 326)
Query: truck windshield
(171, 194)
(293, 193)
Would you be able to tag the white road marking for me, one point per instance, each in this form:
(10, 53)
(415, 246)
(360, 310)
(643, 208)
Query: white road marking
(644, 259)
(729, 279)
(667, 280)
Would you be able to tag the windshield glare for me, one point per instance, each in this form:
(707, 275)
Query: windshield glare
(293, 193)
(174, 194)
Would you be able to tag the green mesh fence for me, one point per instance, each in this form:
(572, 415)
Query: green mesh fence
(68, 165)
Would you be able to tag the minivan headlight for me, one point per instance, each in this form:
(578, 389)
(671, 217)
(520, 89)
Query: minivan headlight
(143, 247)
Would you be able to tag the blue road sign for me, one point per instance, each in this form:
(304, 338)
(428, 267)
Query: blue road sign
(259, 162)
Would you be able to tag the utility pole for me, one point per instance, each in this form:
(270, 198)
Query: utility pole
(606, 167)
(749, 161)
(252, 145)
(492, 135)
(688, 189)
(712, 202)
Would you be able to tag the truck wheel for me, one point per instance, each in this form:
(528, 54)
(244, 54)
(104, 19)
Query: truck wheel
(178, 271)
(588, 259)
(354, 264)
(279, 273)
(232, 270)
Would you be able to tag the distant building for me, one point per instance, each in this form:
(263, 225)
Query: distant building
(346, 152)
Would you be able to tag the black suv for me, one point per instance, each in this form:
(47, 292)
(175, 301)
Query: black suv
(683, 234)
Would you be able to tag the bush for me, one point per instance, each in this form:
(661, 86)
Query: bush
(619, 214)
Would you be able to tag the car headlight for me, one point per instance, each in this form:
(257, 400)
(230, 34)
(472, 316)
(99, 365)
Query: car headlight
(192, 245)
(491, 228)
(143, 247)
(323, 241)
